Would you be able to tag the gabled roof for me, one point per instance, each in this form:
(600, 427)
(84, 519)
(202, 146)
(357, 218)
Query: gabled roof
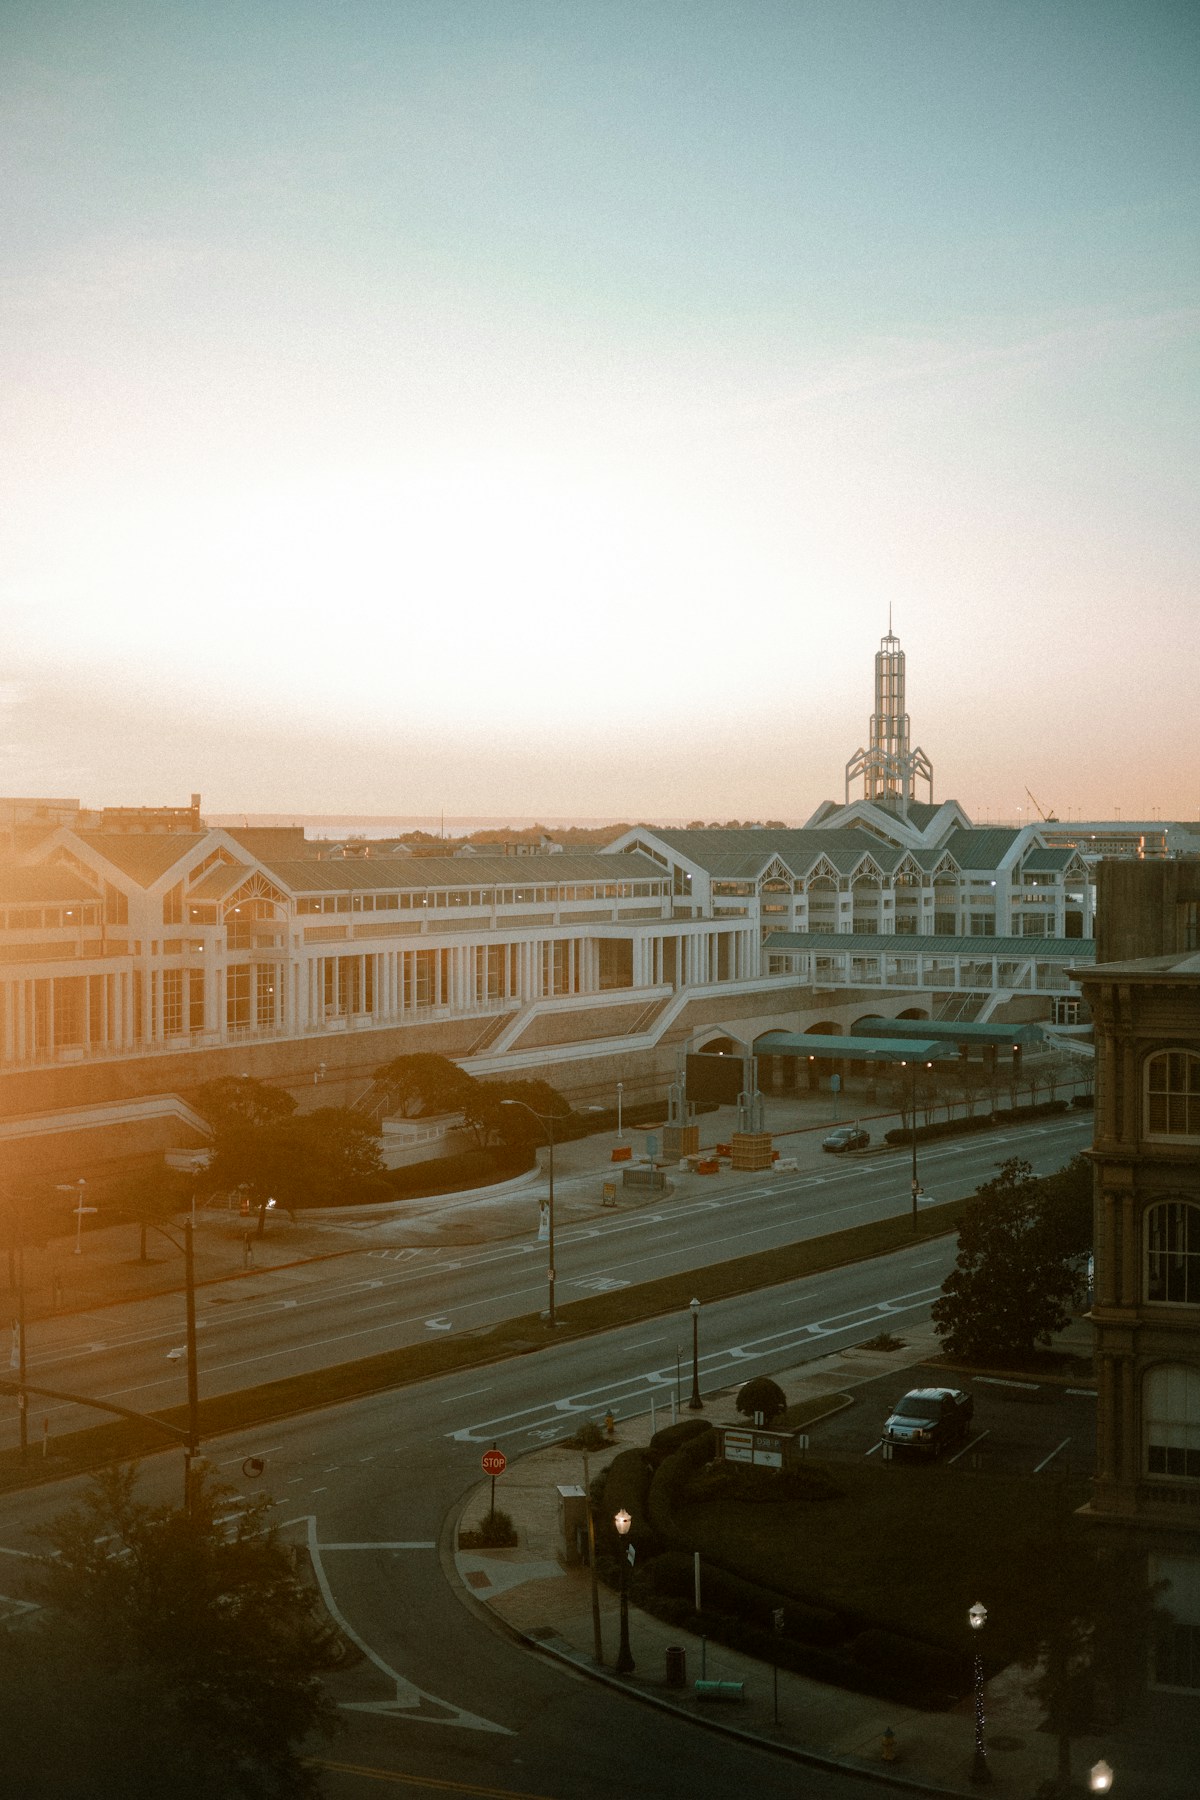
(984, 849)
(1047, 862)
(381, 873)
(51, 882)
(145, 856)
(742, 852)
(219, 880)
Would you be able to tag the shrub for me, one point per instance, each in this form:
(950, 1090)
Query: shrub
(761, 1395)
(590, 1436)
(495, 1531)
(672, 1437)
(627, 1487)
(670, 1479)
(738, 1481)
(925, 1668)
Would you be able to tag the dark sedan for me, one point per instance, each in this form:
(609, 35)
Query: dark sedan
(846, 1137)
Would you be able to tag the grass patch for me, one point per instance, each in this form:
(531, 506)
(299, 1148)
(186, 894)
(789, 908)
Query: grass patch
(910, 1549)
(120, 1441)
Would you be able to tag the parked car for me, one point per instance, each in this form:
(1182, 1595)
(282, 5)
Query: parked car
(846, 1137)
(928, 1420)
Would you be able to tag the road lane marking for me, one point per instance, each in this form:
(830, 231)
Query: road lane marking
(538, 1421)
(1046, 1461)
(408, 1698)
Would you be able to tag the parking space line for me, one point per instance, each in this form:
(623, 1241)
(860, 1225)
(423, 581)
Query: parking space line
(1082, 1393)
(1049, 1459)
(971, 1444)
(1031, 1387)
(877, 1445)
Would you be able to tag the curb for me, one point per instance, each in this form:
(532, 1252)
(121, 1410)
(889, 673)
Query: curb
(579, 1664)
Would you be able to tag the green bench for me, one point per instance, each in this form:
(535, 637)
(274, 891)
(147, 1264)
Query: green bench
(720, 1690)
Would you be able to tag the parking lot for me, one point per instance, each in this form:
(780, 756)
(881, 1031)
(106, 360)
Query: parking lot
(1019, 1427)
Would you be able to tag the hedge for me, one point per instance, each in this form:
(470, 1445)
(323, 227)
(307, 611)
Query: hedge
(902, 1134)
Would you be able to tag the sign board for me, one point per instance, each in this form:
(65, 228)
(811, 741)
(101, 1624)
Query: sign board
(609, 1194)
(494, 1462)
(835, 1082)
(761, 1449)
(651, 1146)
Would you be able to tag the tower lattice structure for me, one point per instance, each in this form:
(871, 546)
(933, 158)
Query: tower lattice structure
(889, 766)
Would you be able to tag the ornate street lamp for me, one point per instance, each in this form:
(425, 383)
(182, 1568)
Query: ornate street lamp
(695, 1404)
(1100, 1778)
(979, 1767)
(625, 1662)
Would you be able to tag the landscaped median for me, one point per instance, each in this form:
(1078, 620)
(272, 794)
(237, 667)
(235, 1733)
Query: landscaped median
(89, 1449)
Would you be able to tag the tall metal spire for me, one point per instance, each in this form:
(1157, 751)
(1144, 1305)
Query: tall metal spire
(889, 766)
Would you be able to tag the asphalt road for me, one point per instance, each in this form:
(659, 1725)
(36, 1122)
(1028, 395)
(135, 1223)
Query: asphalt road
(444, 1701)
(311, 1315)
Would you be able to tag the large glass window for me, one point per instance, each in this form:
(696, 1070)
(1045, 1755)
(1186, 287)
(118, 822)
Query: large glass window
(1171, 1421)
(1172, 1106)
(1173, 1253)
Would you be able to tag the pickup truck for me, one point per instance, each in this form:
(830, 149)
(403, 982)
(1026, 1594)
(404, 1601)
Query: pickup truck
(928, 1420)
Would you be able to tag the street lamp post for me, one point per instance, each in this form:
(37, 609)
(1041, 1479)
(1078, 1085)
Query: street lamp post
(625, 1664)
(695, 1404)
(620, 1095)
(912, 1123)
(546, 1119)
(979, 1766)
(1100, 1779)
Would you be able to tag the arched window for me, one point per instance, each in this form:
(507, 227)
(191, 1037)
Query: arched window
(1171, 1421)
(1172, 1095)
(1173, 1253)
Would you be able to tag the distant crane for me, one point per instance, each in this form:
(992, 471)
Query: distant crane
(1047, 818)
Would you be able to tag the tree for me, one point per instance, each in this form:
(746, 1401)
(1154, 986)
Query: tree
(425, 1083)
(235, 1100)
(178, 1651)
(302, 1161)
(1012, 1283)
(151, 1197)
(490, 1117)
(762, 1395)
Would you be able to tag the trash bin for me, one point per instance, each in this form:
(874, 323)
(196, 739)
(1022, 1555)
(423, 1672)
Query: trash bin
(676, 1666)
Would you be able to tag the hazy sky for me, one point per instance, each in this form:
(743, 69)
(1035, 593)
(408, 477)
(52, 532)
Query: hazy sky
(536, 407)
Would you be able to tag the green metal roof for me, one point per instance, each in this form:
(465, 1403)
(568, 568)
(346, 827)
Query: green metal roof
(844, 847)
(1047, 862)
(980, 849)
(869, 943)
(386, 874)
(883, 1050)
(143, 855)
(949, 1032)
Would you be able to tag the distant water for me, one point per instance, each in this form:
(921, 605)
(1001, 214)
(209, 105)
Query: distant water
(318, 825)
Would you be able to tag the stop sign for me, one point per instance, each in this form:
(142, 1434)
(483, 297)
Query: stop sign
(494, 1462)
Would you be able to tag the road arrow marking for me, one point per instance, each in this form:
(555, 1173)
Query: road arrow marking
(438, 1325)
(409, 1701)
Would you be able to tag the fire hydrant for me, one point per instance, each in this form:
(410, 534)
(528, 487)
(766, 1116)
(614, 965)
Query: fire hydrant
(889, 1745)
(610, 1424)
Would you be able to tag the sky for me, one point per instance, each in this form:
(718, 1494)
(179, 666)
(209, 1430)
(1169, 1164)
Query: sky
(536, 409)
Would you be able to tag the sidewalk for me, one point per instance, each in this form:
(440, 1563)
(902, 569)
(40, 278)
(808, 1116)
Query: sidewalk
(549, 1604)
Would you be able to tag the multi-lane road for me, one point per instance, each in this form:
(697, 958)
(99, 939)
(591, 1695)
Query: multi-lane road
(372, 1490)
(294, 1320)
(441, 1702)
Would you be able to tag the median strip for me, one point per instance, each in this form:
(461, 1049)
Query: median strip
(96, 1446)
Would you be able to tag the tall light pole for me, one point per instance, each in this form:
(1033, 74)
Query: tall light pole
(546, 1119)
(695, 1404)
(625, 1664)
(979, 1766)
(912, 1119)
(620, 1094)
